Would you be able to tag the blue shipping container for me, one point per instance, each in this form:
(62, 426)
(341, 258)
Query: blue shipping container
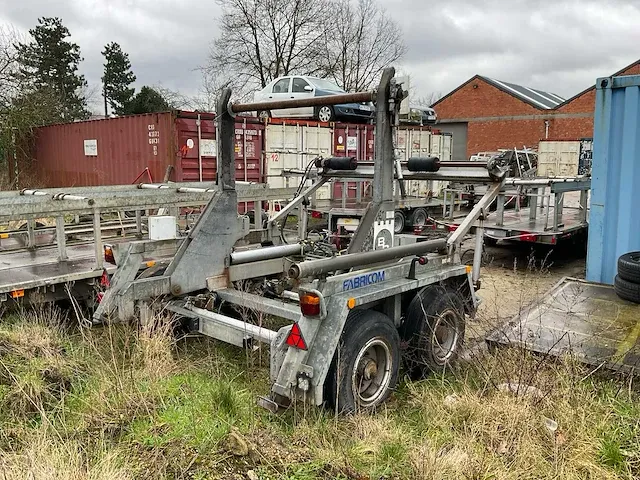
(614, 221)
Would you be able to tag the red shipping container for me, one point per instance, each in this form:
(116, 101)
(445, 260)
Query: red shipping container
(117, 151)
(353, 140)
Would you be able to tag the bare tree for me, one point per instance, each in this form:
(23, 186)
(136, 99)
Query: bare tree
(429, 99)
(263, 39)
(9, 65)
(361, 40)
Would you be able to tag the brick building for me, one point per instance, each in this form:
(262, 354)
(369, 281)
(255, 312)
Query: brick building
(485, 114)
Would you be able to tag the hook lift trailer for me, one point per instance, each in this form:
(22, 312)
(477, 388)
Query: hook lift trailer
(349, 315)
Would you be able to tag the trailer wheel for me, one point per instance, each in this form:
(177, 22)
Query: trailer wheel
(419, 217)
(399, 222)
(365, 366)
(434, 330)
(264, 115)
(490, 241)
(629, 267)
(627, 290)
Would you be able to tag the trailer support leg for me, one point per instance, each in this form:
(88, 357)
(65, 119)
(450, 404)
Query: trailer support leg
(533, 204)
(31, 236)
(500, 210)
(477, 253)
(61, 239)
(97, 233)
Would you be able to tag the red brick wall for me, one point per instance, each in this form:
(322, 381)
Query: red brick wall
(489, 101)
(484, 101)
(491, 135)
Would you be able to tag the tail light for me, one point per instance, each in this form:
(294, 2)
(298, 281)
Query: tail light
(108, 255)
(295, 338)
(452, 228)
(310, 305)
(529, 237)
(316, 214)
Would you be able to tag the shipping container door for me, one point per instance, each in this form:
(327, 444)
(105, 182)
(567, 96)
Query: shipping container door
(282, 151)
(248, 151)
(189, 148)
(316, 141)
(558, 158)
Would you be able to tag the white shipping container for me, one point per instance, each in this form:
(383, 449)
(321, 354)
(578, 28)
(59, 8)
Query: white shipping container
(558, 158)
(292, 147)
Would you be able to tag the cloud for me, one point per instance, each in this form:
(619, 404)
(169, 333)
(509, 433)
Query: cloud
(559, 46)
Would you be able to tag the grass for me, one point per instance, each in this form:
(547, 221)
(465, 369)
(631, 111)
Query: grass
(120, 402)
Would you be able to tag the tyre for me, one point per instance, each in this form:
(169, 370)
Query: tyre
(627, 290)
(419, 217)
(264, 115)
(325, 114)
(629, 267)
(364, 370)
(399, 222)
(433, 330)
(490, 242)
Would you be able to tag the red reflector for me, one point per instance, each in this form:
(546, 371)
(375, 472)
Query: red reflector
(316, 214)
(452, 228)
(104, 280)
(528, 237)
(295, 338)
(100, 296)
(554, 240)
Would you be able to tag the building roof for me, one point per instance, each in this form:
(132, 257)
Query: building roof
(537, 98)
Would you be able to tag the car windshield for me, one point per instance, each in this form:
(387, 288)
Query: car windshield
(324, 84)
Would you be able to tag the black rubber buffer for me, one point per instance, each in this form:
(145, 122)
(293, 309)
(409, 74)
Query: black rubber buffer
(423, 164)
(337, 163)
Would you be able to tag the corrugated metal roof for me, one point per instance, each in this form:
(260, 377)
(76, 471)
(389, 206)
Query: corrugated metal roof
(537, 98)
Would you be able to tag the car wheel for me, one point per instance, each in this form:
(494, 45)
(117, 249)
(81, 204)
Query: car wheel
(364, 370)
(325, 114)
(264, 114)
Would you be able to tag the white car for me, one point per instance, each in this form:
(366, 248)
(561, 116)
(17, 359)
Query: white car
(296, 86)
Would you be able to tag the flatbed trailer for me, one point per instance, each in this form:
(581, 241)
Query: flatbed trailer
(545, 221)
(347, 312)
(50, 263)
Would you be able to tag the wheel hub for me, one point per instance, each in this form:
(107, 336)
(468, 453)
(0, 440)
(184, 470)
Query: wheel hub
(372, 372)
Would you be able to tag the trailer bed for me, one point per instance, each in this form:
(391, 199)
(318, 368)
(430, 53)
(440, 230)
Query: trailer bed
(359, 207)
(31, 269)
(585, 319)
(518, 226)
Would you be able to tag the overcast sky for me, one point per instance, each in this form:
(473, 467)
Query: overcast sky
(560, 46)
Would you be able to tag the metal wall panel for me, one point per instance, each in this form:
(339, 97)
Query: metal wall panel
(614, 225)
(102, 152)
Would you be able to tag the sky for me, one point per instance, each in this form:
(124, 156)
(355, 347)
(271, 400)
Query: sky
(560, 46)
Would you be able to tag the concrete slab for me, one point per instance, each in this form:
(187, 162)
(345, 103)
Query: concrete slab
(585, 319)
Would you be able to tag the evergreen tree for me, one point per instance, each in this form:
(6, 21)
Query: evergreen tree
(148, 100)
(50, 63)
(117, 79)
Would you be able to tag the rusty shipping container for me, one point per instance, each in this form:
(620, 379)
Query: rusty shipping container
(138, 148)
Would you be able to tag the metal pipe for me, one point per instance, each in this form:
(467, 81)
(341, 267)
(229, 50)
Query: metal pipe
(266, 253)
(32, 192)
(303, 102)
(198, 124)
(343, 262)
(66, 196)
